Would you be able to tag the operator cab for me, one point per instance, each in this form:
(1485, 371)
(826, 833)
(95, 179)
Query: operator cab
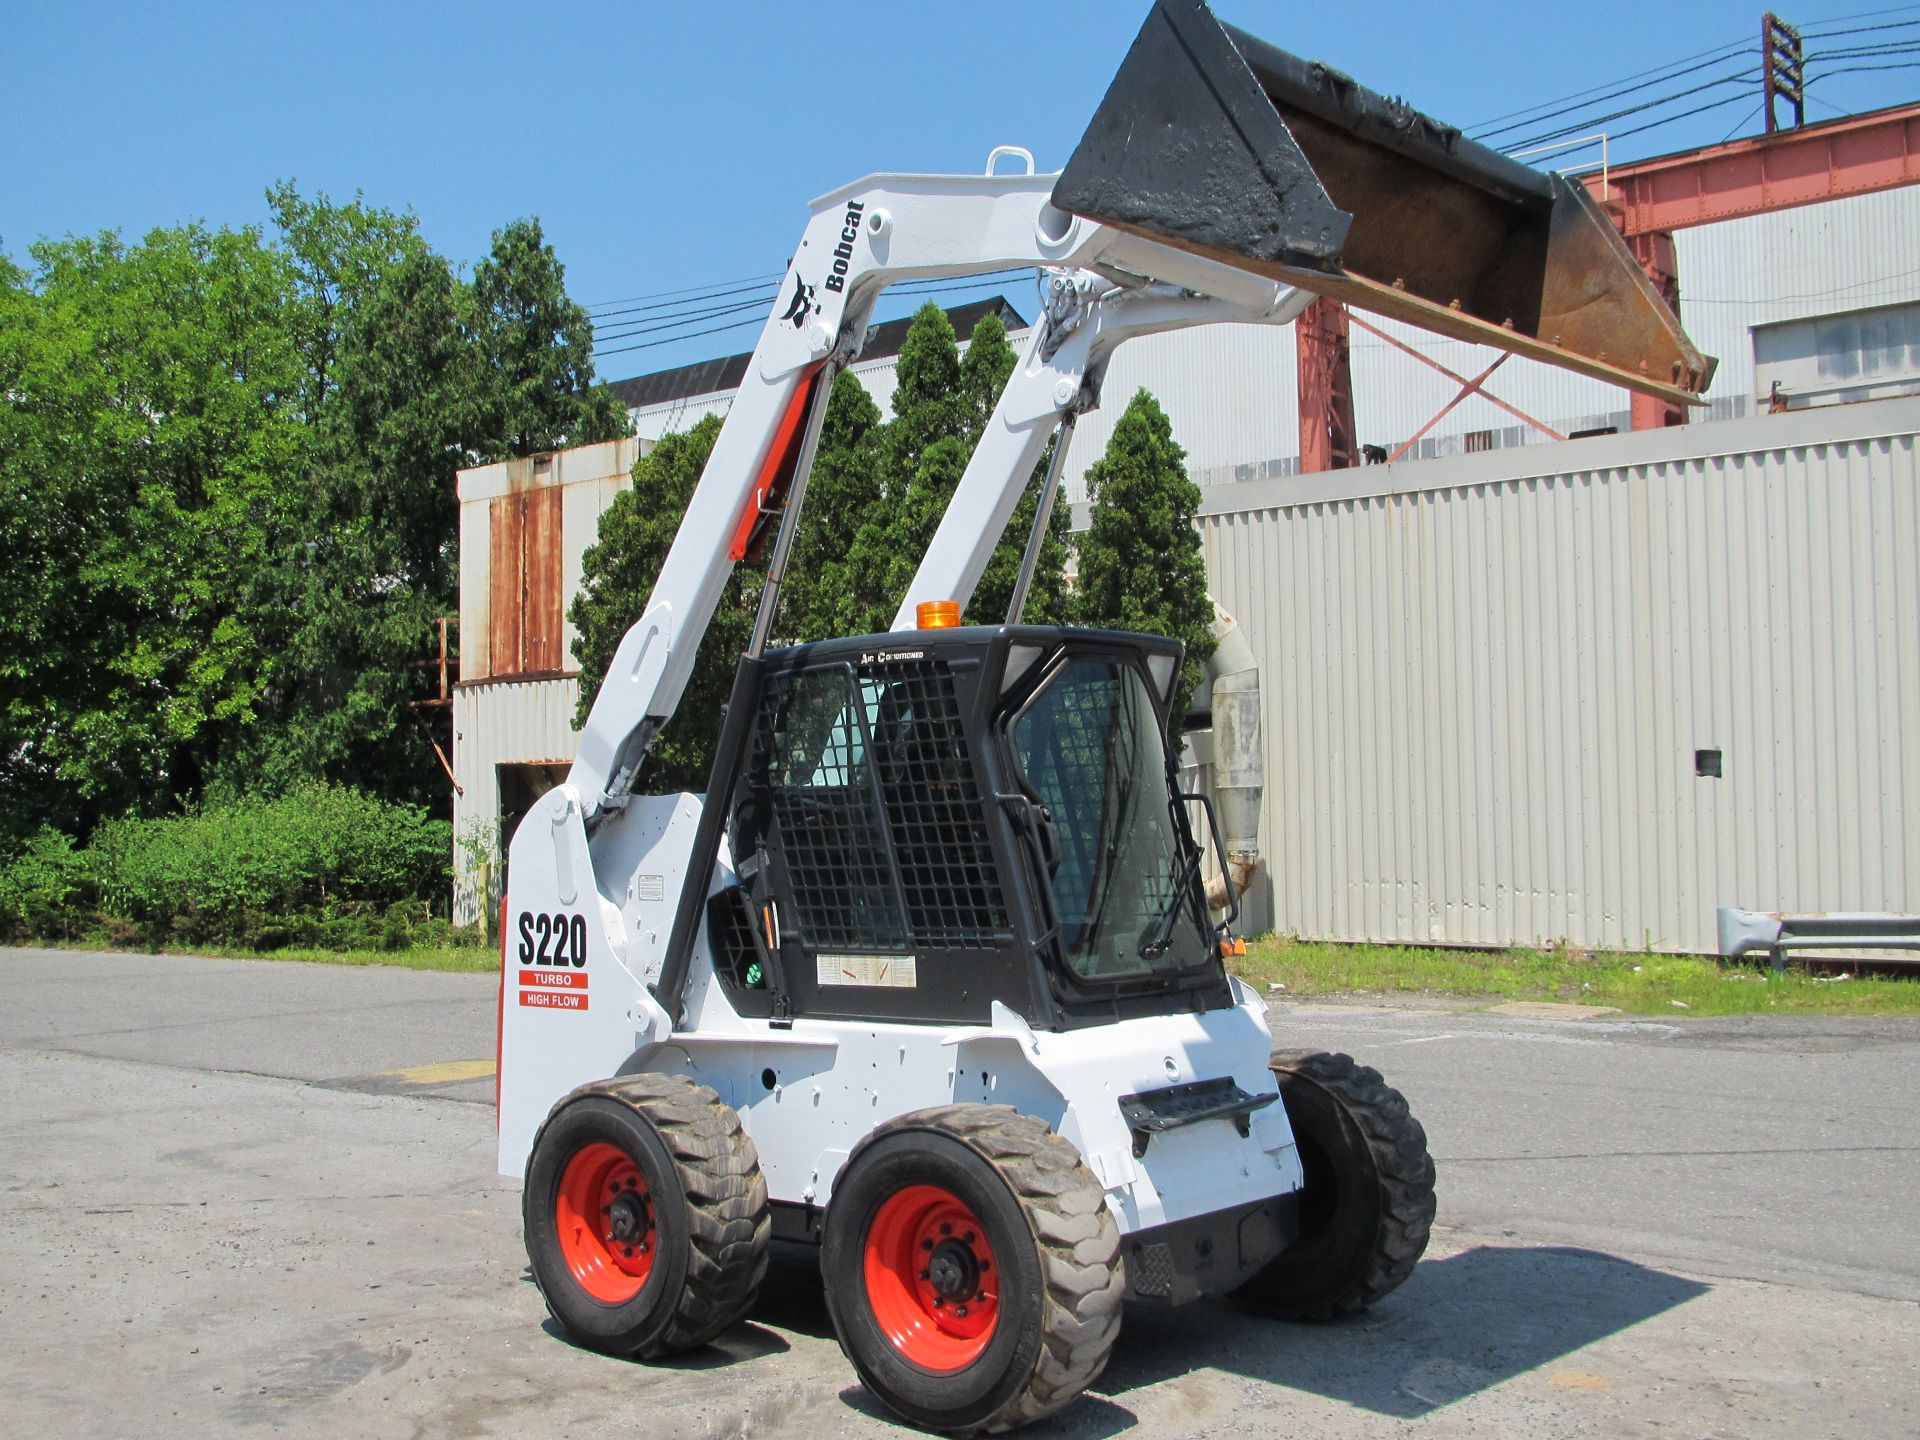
(929, 821)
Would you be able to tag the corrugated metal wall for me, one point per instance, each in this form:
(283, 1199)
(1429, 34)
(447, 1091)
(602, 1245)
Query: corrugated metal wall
(1486, 684)
(500, 722)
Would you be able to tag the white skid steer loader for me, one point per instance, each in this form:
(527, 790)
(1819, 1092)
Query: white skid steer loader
(927, 976)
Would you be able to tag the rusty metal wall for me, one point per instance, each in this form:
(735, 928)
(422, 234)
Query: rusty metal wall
(524, 568)
(1487, 682)
(524, 525)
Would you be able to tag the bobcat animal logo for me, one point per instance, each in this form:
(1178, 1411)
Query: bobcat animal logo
(801, 305)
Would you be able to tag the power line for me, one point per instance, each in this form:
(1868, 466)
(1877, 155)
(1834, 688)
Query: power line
(1589, 122)
(655, 344)
(1682, 115)
(765, 291)
(618, 332)
(1869, 14)
(1863, 70)
(1744, 121)
(1720, 52)
(1859, 30)
(763, 298)
(1579, 108)
(1616, 94)
(663, 294)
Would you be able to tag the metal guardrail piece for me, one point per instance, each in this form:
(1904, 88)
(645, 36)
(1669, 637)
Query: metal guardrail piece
(1775, 931)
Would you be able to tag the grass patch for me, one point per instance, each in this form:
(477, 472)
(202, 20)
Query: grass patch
(1638, 984)
(472, 958)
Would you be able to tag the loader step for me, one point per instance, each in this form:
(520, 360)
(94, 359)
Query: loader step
(1150, 1112)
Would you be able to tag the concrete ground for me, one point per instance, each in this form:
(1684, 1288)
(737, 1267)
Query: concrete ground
(249, 1198)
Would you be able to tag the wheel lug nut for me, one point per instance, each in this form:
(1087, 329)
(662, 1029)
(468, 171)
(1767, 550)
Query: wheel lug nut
(926, 1274)
(945, 1228)
(926, 1244)
(961, 1311)
(629, 1251)
(967, 1238)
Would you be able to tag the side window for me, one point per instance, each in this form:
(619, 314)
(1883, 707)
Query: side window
(1089, 745)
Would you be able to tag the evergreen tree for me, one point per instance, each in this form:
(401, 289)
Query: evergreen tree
(941, 407)
(984, 371)
(983, 375)
(1050, 600)
(824, 593)
(617, 575)
(1141, 564)
(535, 351)
(928, 401)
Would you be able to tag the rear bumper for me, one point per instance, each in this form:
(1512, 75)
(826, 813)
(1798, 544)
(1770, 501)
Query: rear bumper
(1208, 1255)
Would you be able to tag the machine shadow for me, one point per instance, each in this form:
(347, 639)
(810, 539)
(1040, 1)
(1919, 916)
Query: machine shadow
(1459, 1326)
(792, 1296)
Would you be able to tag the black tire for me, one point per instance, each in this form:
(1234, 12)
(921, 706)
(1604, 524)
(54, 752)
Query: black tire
(1044, 1222)
(1367, 1206)
(703, 1203)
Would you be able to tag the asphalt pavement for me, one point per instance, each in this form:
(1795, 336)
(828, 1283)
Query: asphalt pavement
(248, 1197)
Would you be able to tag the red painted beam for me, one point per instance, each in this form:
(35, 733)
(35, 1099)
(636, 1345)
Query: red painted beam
(1325, 384)
(1855, 156)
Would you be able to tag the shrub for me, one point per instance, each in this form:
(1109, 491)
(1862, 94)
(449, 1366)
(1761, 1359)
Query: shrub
(322, 866)
(39, 887)
(314, 850)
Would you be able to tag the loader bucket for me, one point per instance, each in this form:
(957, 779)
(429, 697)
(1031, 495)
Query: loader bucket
(1216, 142)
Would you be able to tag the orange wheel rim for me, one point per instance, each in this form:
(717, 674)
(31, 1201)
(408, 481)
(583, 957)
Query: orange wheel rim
(932, 1279)
(603, 1215)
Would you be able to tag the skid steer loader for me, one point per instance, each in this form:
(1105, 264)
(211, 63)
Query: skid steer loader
(927, 976)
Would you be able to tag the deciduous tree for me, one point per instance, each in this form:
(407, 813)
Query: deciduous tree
(150, 441)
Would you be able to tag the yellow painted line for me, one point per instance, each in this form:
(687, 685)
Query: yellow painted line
(446, 1072)
(1578, 1380)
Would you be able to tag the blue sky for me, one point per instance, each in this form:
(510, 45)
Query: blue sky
(674, 146)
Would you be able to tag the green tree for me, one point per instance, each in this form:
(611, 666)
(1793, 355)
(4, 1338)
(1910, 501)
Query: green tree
(338, 253)
(373, 563)
(617, 575)
(823, 594)
(1050, 599)
(984, 371)
(150, 445)
(1141, 564)
(941, 407)
(535, 350)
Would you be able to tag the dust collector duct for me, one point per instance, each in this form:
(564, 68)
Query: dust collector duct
(1239, 763)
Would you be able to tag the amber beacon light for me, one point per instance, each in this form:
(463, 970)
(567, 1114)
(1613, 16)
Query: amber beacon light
(936, 614)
